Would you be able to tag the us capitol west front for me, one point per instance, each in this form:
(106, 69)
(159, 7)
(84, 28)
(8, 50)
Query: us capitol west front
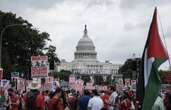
(85, 61)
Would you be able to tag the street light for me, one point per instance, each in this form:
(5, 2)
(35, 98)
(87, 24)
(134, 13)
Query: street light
(1, 35)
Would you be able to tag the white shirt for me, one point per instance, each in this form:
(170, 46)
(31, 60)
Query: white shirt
(95, 103)
(112, 97)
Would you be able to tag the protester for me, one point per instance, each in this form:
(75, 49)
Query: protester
(12, 100)
(56, 102)
(159, 104)
(112, 99)
(32, 100)
(167, 101)
(72, 101)
(130, 93)
(40, 101)
(96, 102)
(125, 103)
(83, 101)
(105, 98)
(47, 98)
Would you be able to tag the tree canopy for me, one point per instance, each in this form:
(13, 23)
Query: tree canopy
(52, 57)
(20, 40)
(130, 68)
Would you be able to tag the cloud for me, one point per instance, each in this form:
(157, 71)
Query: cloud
(135, 4)
(20, 4)
(168, 32)
(99, 2)
(129, 26)
(117, 28)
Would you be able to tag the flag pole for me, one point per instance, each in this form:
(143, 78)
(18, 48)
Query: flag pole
(165, 42)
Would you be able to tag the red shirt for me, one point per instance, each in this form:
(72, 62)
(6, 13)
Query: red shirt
(130, 93)
(40, 103)
(60, 106)
(126, 104)
(105, 99)
(52, 103)
(1, 93)
(14, 100)
(55, 103)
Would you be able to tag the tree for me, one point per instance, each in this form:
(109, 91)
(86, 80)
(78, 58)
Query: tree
(52, 56)
(85, 78)
(109, 79)
(130, 68)
(62, 75)
(19, 43)
(98, 79)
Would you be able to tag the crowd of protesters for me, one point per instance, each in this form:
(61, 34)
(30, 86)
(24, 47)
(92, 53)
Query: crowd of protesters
(111, 99)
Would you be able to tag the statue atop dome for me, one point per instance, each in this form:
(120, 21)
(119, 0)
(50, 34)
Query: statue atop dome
(85, 31)
(85, 49)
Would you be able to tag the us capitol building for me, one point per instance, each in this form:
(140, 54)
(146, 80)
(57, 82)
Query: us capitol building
(85, 60)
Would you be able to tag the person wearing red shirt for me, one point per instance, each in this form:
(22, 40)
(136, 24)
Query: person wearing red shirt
(12, 100)
(125, 103)
(56, 102)
(130, 92)
(105, 98)
(40, 103)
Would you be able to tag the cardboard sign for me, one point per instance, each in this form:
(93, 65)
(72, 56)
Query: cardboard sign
(40, 66)
(72, 79)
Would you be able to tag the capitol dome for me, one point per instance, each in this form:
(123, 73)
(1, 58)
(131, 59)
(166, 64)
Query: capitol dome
(85, 49)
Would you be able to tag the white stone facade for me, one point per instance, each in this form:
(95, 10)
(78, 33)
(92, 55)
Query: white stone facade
(85, 60)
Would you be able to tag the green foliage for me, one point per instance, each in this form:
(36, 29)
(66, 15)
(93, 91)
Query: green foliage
(109, 80)
(130, 68)
(62, 75)
(163, 75)
(98, 79)
(85, 78)
(19, 43)
(52, 56)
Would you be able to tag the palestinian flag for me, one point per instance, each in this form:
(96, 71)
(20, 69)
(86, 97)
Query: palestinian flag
(154, 55)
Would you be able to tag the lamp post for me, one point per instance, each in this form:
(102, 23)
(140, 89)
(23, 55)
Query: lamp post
(1, 36)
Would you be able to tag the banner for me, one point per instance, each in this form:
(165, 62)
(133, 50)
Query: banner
(1, 73)
(40, 66)
(5, 84)
(21, 84)
(72, 79)
(46, 86)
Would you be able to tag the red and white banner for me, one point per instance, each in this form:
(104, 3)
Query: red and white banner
(5, 84)
(46, 86)
(1, 73)
(72, 79)
(77, 85)
(49, 79)
(21, 84)
(40, 66)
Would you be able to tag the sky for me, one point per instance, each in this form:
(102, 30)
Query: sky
(118, 28)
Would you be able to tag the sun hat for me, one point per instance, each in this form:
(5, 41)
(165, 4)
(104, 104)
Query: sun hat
(34, 85)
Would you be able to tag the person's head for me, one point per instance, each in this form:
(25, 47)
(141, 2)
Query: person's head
(95, 93)
(10, 91)
(112, 88)
(86, 92)
(58, 92)
(34, 85)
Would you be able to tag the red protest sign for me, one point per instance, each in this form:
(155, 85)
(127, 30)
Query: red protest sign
(40, 66)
